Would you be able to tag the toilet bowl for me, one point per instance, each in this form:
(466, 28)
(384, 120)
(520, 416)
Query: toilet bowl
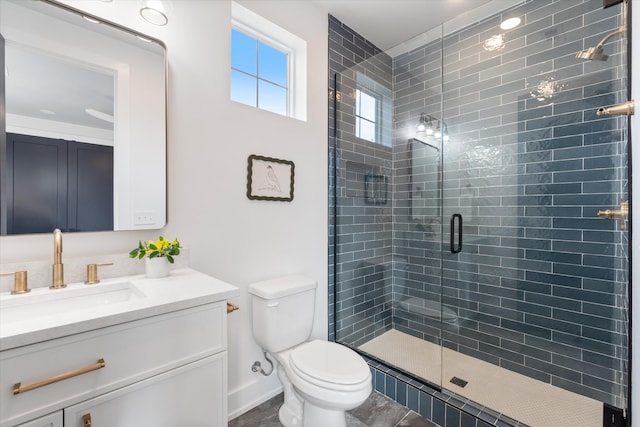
(329, 378)
(321, 379)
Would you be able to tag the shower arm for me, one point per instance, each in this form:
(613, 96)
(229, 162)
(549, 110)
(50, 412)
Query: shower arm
(620, 30)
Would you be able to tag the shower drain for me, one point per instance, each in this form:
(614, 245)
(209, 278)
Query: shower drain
(459, 382)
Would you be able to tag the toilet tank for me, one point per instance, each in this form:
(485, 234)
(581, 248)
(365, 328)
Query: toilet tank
(282, 311)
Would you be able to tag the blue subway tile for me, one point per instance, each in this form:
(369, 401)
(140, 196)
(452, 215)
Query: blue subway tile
(390, 387)
(438, 414)
(426, 403)
(380, 382)
(452, 417)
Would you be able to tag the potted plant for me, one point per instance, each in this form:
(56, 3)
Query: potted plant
(158, 255)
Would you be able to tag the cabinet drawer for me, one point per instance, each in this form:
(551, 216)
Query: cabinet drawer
(192, 395)
(51, 420)
(131, 352)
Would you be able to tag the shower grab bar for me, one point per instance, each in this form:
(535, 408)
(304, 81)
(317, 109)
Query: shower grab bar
(458, 248)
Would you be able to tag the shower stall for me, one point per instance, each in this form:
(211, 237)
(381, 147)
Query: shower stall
(472, 182)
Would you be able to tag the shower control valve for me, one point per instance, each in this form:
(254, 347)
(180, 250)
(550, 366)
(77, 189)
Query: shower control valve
(621, 214)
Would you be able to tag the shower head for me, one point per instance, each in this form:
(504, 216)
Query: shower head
(596, 53)
(592, 54)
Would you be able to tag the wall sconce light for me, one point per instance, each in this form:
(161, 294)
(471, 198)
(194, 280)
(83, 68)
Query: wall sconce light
(156, 11)
(425, 127)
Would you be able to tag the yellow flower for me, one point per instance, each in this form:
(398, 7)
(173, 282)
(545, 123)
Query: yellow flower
(159, 248)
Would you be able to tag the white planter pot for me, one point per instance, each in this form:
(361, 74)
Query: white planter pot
(156, 267)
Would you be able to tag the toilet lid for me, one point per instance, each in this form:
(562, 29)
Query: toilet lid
(329, 362)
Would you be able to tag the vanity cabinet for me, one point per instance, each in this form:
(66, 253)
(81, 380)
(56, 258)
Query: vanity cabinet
(164, 370)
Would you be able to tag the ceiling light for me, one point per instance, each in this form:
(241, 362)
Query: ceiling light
(99, 115)
(90, 19)
(510, 23)
(156, 11)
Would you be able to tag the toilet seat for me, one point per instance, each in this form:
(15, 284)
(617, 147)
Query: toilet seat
(329, 365)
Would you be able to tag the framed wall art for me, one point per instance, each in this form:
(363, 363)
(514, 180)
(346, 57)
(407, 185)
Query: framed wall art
(270, 179)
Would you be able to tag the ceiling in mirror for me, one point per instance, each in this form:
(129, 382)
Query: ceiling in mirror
(54, 88)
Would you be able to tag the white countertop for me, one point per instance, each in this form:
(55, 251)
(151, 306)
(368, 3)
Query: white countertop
(183, 288)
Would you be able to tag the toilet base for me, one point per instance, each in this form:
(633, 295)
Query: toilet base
(315, 416)
(290, 413)
(288, 417)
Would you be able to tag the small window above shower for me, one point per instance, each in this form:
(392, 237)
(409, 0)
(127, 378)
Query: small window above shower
(373, 108)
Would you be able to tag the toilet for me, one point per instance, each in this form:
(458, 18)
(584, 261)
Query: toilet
(321, 379)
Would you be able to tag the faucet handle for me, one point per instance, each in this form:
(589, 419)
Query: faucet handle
(19, 283)
(92, 273)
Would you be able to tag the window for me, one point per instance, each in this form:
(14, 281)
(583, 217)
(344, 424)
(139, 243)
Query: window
(373, 111)
(367, 107)
(268, 65)
(259, 74)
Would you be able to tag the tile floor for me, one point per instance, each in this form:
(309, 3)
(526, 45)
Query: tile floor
(377, 411)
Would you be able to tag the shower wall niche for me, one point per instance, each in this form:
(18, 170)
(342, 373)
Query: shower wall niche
(540, 286)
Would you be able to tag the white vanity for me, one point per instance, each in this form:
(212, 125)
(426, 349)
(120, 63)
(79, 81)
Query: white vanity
(131, 351)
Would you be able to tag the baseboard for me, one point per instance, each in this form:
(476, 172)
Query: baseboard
(251, 395)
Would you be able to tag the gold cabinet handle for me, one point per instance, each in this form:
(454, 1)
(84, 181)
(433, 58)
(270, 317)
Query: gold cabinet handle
(86, 420)
(18, 388)
(231, 308)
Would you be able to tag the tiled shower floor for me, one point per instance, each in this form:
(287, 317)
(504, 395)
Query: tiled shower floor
(529, 401)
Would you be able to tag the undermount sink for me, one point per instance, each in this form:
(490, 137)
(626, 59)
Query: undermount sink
(44, 302)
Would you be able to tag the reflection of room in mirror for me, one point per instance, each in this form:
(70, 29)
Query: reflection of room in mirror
(99, 85)
(426, 183)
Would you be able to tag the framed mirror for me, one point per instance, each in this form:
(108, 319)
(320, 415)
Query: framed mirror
(84, 141)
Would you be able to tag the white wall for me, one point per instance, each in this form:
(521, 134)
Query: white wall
(209, 140)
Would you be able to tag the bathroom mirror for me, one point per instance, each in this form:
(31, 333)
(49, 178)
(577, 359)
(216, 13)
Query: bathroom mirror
(80, 93)
(426, 186)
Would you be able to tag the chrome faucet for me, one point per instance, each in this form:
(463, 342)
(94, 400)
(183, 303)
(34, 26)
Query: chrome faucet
(58, 267)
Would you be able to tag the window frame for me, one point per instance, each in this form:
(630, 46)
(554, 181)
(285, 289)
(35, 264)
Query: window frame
(271, 34)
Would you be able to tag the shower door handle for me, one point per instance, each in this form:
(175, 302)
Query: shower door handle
(456, 248)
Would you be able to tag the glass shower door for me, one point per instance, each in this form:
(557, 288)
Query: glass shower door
(534, 282)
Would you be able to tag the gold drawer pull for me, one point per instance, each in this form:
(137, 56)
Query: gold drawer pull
(86, 420)
(231, 308)
(17, 388)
